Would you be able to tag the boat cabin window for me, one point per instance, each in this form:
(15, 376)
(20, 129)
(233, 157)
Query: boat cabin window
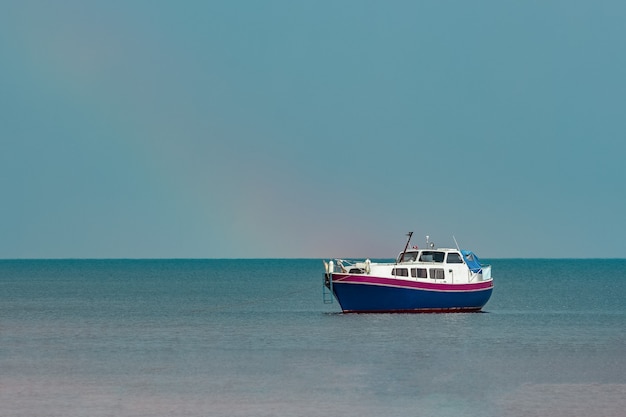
(432, 256)
(356, 271)
(400, 272)
(437, 273)
(408, 257)
(454, 258)
(418, 273)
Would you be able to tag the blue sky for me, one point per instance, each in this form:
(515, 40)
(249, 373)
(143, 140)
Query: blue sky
(141, 129)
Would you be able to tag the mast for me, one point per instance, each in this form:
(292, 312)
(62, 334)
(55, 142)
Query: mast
(406, 246)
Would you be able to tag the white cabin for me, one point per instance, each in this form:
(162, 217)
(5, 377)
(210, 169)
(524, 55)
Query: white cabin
(442, 265)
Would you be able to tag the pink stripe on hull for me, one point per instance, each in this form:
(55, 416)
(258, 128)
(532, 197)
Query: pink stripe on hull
(428, 286)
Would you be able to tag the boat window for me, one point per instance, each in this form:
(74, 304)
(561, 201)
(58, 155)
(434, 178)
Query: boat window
(407, 257)
(410, 256)
(400, 272)
(432, 256)
(437, 273)
(454, 258)
(418, 273)
(356, 271)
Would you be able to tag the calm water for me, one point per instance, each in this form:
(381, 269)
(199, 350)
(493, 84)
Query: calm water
(253, 338)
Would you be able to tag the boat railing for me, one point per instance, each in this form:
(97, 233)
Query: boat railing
(483, 274)
(486, 272)
(345, 265)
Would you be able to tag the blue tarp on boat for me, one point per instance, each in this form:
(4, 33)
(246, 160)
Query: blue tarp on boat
(472, 261)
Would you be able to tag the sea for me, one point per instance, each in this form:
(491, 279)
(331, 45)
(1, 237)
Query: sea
(253, 337)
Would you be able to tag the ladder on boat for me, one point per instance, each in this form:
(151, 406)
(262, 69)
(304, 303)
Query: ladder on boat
(327, 288)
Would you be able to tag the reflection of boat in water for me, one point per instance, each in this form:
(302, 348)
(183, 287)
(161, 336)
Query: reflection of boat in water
(420, 280)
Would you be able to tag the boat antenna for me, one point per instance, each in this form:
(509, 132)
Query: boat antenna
(456, 243)
(406, 246)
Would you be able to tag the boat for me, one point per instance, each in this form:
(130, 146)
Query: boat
(420, 280)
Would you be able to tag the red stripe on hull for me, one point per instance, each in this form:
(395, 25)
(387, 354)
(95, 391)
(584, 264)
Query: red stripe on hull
(420, 311)
(402, 283)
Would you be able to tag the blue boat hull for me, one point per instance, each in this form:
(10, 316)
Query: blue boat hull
(367, 298)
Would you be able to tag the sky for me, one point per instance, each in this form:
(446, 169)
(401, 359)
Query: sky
(306, 129)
